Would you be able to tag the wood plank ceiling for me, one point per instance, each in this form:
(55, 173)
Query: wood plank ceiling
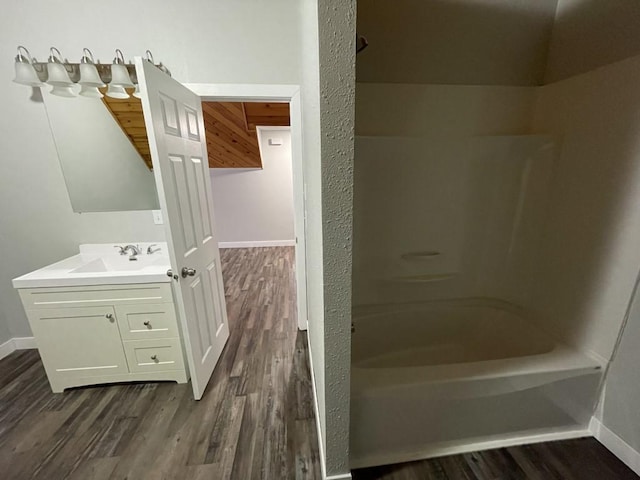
(230, 129)
(128, 114)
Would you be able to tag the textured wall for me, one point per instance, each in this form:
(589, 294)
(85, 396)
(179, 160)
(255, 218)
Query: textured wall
(336, 19)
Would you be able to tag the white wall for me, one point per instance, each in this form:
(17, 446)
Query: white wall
(256, 205)
(310, 65)
(590, 257)
(200, 41)
(591, 33)
(473, 42)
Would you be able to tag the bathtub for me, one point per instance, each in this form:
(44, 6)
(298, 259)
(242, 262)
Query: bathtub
(445, 377)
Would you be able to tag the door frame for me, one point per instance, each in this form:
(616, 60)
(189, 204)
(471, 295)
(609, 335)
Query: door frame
(233, 92)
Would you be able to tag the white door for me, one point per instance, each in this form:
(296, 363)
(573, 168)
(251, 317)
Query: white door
(175, 127)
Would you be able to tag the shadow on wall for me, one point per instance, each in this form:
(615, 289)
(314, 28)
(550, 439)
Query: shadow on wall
(479, 42)
(590, 33)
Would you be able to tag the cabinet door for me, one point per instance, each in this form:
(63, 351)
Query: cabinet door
(79, 342)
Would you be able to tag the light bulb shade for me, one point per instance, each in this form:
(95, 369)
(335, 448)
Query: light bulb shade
(63, 91)
(89, 76)
(58, 75)
(115, 91)
(136, 92)
(120, 76)
(90, 92)
(26, 75)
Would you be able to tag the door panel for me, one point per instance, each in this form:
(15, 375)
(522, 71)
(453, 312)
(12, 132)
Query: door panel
(175, 126)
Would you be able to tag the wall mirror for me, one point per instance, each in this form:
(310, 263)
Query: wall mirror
(104, 166)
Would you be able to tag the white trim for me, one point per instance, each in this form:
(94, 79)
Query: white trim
(25, 343)
(615, 445)
(221, 92)
(463, 446)
(276, 93)
(258, 243)
(345, 476)
(17, 343)
(7, 348)
(316, 409)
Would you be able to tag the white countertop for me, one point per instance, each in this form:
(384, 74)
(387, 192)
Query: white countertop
(101, 264)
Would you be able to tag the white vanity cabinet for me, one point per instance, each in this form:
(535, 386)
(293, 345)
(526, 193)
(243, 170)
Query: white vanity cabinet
(103, 334)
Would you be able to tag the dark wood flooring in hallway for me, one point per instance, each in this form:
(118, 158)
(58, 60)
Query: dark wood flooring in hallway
(254, 422)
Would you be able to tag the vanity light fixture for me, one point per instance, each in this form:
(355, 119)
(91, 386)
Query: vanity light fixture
(119, 74)
(115, 91)
(90, 79)
(88, 74)
(58, 75)
(26, 73)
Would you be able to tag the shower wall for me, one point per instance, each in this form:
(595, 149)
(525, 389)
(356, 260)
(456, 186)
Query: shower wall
(450, 192)
(591, 255)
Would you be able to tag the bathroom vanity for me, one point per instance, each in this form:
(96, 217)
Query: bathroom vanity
(103, 317)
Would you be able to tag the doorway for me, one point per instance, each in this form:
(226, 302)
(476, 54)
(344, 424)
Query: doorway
(276, 94)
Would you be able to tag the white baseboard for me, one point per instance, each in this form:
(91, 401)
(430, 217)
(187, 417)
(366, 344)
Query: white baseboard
(258, 243)
(344, 476)
(24, 343)
(316, 408)
(616, 445)
(17, 343)
(7, 348)
(457, 448)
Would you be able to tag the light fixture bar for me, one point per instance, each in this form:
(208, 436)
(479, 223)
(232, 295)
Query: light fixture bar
(73, 69)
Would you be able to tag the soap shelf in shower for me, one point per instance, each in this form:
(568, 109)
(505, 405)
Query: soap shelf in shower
(420, 256)
(422, 278)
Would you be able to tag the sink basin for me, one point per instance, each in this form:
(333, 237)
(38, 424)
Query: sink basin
(118, 264)
(99, 264)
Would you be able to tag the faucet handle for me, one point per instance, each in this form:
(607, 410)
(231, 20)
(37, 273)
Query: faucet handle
(121, 250)
(151, 250)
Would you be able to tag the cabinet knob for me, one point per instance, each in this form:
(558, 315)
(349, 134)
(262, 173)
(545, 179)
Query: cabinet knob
(154, 357)
(146, 323)
(109, 316)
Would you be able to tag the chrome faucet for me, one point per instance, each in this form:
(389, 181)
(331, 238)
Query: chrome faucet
(151, 250)
(135, 251)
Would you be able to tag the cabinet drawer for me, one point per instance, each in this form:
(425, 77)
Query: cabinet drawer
(90, 296)
(147, 321)
(154, 355)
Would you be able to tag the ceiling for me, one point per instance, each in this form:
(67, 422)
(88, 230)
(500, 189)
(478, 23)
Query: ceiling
(230, 129)
(128, 114)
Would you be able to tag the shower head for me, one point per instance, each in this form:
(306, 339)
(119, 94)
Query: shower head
(361, 43)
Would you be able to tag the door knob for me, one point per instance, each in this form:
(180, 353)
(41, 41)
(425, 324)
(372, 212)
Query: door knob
(188, 272)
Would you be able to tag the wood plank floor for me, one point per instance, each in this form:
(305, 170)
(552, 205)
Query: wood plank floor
(254, 421)
(581, 459)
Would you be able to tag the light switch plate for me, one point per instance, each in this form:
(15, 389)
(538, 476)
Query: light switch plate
(157, 217)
